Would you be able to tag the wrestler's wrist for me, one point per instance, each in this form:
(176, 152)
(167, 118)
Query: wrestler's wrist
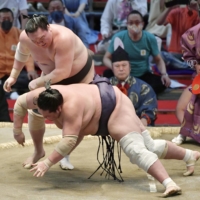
(40, 82)
(17, 131)
(48, 163)
(15, 73)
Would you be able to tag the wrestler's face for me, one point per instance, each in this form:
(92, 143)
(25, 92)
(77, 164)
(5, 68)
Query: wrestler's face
(52, 116)
(42, 38)
(121, 70)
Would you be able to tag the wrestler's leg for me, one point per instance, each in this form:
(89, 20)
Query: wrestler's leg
(65, 162)
(179, 153)
(168, 150)
(134, 147)
(171, 188)
(37, 129)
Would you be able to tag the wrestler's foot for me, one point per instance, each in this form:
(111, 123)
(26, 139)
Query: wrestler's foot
(33, 159)
(65, 163)
(191, 163)
(171, 191)
(179, 139)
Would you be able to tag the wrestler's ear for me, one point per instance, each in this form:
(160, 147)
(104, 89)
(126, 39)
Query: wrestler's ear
(59, 108)
(48, 27)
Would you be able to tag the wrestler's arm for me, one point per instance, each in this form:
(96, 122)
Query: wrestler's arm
(72, 123)
(64, 57)
(22, 104)
(21, 57)
(22, 52)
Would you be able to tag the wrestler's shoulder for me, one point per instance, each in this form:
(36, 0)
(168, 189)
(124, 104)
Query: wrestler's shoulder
(60, 30)
(62, 34)
(23, 37)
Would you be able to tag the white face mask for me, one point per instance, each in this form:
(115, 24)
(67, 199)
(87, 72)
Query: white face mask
(135, 28)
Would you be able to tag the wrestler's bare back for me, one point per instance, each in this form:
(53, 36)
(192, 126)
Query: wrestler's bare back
(83, 100)
(64, 44)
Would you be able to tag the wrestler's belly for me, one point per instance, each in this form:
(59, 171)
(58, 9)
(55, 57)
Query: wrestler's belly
(46, 68)
(90, 129)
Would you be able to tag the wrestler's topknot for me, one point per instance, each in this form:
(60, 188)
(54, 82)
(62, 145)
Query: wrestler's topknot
(35, 22)
(48, 85)
(50, 99)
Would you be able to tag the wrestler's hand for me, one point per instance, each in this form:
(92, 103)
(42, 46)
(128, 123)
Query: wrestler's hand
(166, 80)
(8, 83)
(32, 85)
(40, 169)
(20, 138)
(32, 75)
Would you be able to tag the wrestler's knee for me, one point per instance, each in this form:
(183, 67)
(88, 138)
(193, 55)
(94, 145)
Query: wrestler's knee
(35, 121)
(144, 159)
(134, 147)
(160, 148)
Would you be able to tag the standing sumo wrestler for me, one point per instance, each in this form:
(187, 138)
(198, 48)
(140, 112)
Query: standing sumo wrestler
(63, 59)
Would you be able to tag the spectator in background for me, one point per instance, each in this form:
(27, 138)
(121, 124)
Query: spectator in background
(114, 18)
(75, 10)
(157, 7)
(140, 44)
(191, 54)
(189, 115)
(57, 15)
(9, 37)
(40, 7)
(180, 110)
(181, 18)
(141, 94)
(18, 7)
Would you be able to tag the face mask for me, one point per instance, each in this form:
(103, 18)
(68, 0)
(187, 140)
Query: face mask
(57, 16)
(6, 25)
(136, 29)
